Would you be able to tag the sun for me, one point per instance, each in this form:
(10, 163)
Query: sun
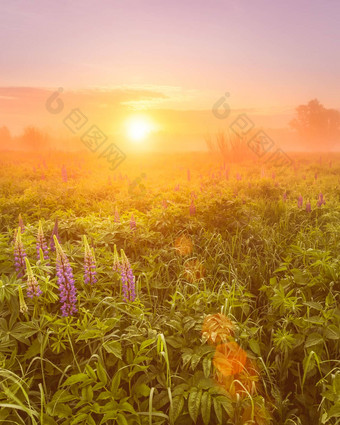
(138, 128)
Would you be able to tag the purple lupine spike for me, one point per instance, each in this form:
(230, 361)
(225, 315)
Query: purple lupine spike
(67, 289)
(321, 200)
(21, 224)
(54, 233)
(19, 254)
(128, 279)
(33, 288)
(273, 176)
(300, 201)
(116, 219)
(89, 264)
(238, 177)
(284, 197)
(192, 208)
(316, 176)
(177, 188)
(133, 225)
(41, 243)
(64, 173)
(308, 207)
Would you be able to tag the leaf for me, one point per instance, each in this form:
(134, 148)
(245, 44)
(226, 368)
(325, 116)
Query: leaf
(74, 379)
(101, 373)
(141, 389)
(207, 366)
(218, 409)
(313, 339)
(194, 402)
(332, 332)
(121, 420)
(255, 347)
(79, 418)
(177, 407)
(206, 407)
(113, 347)
(115, 382)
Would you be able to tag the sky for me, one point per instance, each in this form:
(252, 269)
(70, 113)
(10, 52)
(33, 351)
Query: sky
(170, 59)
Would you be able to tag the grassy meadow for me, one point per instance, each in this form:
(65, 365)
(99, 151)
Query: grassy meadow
(177, 289)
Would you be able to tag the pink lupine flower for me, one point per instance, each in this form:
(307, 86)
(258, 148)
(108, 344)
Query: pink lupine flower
(188, 175)
(284, 197)
(300, 201)
(41, 243)
(21, 224)
(308, 207)
(128, 279)
(192, 209)
(117, 218)
(321, 200)
(133, 225)
(64, 173)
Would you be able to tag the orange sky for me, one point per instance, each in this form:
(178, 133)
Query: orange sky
(170, 60)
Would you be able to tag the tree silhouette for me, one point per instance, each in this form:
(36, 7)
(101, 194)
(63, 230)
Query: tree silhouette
(316, 124)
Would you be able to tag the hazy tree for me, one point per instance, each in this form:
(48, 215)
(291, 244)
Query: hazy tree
(5, 138)
(316, 124)
(34, 139)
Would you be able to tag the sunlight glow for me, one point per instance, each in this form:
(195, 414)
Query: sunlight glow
(138, 128)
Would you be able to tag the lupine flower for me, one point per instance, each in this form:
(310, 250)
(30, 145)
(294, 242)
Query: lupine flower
(128, 279)
(164, 203)
(316, 176)
(284, 197)
(300, 201)
(117, 219)
(67, 289)
(321, 200)
(19, 254)
(308, 207)
(238, 177)
(22, 304)
(64, 173)
(89, 264)
(41, 243)
(116, 262)
(188, 175)
(227, 174)
(21, 224)
(273, 176)
(177, 187)
(192, 209)
(133, 225)
(54, 233)
(33, 288)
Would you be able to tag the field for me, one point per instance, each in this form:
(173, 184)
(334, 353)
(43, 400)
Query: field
(178, 289)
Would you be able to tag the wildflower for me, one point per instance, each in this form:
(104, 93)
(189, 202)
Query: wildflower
(192, 209)
(41, 243)
(188, 174)
(321, 200)
(89, 264)
(273, 176)
(308, 207)
(238, 177)
(64, 173)
(116, 262)
(133, 225)
(22, 304)
(217, 328)
(164, 203)
(128, 279)
(300, 201)
(117, 219)
(227, 174)
(67, 289)
(19, 254)
(21, 224)
(54, 233)
(33, 288)
(284, 197)
(177, 187)
(316, 176)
